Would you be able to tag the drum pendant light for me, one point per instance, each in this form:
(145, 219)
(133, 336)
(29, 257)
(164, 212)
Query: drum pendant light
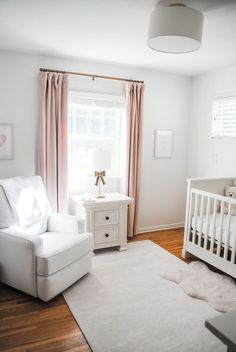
(175, 29)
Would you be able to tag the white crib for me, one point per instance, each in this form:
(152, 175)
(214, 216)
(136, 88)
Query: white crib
(210, 233)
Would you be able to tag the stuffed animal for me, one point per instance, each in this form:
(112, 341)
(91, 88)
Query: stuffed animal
(230, 192)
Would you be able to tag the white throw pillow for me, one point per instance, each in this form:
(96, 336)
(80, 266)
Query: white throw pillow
(6, 215)
(28, 201)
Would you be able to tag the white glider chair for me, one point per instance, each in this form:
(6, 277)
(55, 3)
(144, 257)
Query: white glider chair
(40, 253)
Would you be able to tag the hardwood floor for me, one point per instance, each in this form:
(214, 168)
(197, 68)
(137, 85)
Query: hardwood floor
(28, 324)
(171, 240)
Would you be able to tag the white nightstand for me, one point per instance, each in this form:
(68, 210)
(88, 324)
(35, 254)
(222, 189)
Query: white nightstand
(106, 218)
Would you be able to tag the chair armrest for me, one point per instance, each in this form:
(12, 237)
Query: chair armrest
(18, 260)
(65, 223)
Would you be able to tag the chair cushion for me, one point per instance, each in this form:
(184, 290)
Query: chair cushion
(62, 249)
(6, 215)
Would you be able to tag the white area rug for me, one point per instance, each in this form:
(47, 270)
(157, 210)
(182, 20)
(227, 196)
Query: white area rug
(200, 282)
(124, 305)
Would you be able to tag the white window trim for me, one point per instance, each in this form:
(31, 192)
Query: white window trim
(108, 97)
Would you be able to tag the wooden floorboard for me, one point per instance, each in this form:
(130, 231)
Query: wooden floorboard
(28, 324)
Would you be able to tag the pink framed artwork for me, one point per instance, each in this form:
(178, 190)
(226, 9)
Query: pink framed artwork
(6, 142)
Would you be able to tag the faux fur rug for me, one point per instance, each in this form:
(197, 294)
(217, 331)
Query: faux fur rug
(200, 282)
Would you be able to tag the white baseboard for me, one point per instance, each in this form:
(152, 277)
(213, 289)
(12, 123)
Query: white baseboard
(160, 227)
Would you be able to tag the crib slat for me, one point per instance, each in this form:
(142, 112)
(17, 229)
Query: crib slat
(233, 250)
(195, 217)
(201, 221)
(227, 233)
(222, 203)
(213, 225)
(207, 222)
(190, 214)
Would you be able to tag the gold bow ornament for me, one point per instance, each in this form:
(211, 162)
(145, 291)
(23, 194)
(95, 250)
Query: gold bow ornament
(100, 177)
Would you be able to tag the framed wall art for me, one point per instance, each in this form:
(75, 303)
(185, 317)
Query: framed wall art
(163, 144)
(6, 141)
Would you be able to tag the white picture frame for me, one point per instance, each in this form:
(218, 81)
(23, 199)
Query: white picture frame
(163, 144)
(6, 141)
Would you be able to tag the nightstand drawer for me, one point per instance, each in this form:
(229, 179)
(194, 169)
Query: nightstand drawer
(109, 234)
(106, 217)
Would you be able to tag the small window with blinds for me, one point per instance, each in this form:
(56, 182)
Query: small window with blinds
(224, 118)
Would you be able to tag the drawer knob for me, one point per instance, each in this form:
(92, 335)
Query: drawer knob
(107, 218)
(107, 234)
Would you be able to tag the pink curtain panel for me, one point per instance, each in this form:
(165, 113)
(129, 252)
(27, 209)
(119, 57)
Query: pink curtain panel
(134, 109)
(52, 143)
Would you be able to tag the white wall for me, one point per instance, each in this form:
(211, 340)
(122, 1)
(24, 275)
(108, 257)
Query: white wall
(208, 157)
(166, 107)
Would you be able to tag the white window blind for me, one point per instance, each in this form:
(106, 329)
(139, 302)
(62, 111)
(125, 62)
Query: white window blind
(95, 125)
(224, 118)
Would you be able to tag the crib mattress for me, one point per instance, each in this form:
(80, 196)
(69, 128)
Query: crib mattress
(217, 227)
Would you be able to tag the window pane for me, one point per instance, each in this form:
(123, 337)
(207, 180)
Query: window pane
(71, 125)
(70, 109)
(96, 126)
(81, 125)
(110, 127)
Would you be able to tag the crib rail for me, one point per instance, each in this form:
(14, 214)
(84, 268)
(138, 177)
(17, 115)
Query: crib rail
(208, 226)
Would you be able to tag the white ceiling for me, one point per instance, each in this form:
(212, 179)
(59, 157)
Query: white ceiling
(114, 31)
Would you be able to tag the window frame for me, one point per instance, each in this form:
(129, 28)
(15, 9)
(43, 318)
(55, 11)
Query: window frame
(75, 95)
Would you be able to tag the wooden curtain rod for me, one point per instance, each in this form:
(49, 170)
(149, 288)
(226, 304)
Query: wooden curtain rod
(91, 75)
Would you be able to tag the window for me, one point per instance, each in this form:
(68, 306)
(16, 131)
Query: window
(95, 128)
(224, 118)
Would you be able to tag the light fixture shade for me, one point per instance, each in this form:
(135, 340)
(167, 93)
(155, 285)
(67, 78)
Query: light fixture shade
(175, 29)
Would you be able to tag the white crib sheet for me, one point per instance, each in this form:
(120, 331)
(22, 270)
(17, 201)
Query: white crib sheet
(217, 227)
